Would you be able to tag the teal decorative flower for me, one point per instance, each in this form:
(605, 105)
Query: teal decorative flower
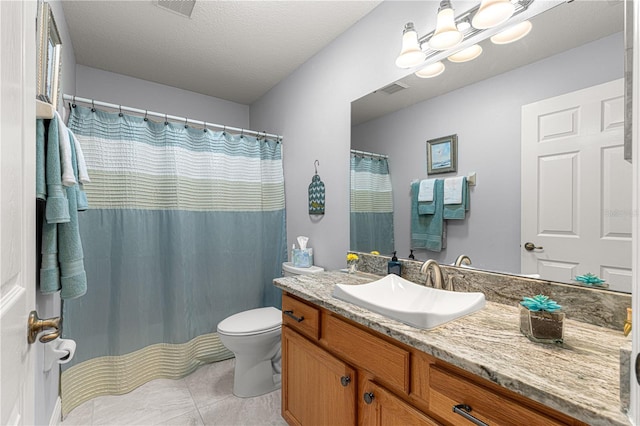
(540, 303)
(589, 279)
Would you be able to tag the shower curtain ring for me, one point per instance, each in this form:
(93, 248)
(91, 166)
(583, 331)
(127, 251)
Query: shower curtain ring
(120, 114)
(145, 115)
(73, 105)
(186, 126)
(93, 106)
(316, 164)
(242, 134)
(205, 127)
(166, 122)
(224, 130)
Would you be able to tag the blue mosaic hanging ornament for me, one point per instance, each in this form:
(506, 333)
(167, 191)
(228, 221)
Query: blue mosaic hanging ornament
(316, 194)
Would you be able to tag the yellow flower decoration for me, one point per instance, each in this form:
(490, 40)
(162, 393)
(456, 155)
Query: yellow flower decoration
(375, 252)
(351, 257)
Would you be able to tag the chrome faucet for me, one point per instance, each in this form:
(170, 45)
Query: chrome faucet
(436, 280)
(462, 259)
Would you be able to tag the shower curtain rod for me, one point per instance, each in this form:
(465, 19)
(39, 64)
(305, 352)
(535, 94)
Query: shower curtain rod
(369, 154)
(93, 103)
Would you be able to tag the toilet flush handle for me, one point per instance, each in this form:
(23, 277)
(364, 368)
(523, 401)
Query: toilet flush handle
(290, 314)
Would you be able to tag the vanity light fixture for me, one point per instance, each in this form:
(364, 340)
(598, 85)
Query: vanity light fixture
(411, 54)
(431, 70)
(447, 34)
(513, 33)
(467, 54)
(492, 13)
(451, 31)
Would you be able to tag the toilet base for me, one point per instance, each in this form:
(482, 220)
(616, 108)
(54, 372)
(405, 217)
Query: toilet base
(253, 379)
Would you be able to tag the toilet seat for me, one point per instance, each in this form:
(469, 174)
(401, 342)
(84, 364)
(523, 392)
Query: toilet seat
(254, 321)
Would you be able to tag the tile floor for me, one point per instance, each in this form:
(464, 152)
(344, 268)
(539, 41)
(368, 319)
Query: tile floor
(203, 398)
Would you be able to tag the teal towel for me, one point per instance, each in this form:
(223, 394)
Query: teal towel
(457, 211)
(41, 183)
(426, 207)
(81, 196)
(62, 265)
(49, 271)
(57, 210)
(73, 278)
(426, 230)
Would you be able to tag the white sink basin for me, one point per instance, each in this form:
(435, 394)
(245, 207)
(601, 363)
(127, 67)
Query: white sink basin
(410, 303)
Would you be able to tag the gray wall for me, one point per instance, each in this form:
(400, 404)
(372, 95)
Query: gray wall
(486, 118)
(124, 90)
(311, 109)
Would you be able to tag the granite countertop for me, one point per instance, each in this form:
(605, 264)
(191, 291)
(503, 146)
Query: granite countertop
(579, 378)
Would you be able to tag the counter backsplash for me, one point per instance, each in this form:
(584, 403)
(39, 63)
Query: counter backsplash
(593, 306)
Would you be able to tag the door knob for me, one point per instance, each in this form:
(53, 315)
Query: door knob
(530, 246)
(37, 326)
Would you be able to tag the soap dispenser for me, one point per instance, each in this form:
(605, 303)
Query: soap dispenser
(394, 266)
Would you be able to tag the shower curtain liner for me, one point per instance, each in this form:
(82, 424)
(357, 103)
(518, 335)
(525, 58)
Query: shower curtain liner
(185, 228)
(371, 224)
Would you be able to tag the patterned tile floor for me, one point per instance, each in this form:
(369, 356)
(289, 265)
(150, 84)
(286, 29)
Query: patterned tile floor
(203, 398)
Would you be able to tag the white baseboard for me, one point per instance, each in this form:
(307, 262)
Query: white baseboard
(56, 416)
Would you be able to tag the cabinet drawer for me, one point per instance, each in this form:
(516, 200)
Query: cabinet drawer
(448, 389)
(388, 363)
(301, 317)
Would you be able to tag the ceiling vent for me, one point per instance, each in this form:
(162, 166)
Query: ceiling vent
(181, 7)
(393, 88)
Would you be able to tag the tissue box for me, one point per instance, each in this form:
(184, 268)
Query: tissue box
(303, 258)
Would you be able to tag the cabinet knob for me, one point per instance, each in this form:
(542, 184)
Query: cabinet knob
(368, 397)
(345, 380)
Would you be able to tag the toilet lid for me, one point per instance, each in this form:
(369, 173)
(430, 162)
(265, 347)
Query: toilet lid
(252, 322)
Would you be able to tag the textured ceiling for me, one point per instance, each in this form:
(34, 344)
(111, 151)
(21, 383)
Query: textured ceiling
(233, 50)
(561, 28)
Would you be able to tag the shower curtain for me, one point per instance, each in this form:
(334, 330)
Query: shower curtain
(371, 222)
(185, 227)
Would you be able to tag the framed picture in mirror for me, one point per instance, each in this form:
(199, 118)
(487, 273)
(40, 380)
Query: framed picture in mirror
(442, 155)
(49, 56)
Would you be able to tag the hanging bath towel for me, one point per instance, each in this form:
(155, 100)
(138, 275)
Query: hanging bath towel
(316, 196)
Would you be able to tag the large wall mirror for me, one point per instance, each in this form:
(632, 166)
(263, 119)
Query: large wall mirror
(572, 46)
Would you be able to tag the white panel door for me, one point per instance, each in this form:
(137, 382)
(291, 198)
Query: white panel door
(17, 209)
(576, 187)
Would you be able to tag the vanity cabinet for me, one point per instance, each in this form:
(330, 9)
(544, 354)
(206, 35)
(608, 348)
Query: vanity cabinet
(338, 372)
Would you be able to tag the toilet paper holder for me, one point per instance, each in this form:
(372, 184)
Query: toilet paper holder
(58, 351)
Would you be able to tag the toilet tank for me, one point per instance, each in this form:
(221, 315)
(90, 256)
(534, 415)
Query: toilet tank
(289, 270)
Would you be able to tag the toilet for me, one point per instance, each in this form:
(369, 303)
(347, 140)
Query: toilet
(254, 337)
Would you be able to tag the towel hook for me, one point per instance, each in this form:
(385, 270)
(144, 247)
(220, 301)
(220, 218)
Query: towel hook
(316, 164)
(145, 115)
(93, 107)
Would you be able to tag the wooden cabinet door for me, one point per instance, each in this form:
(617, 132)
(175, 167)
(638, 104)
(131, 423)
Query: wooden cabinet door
(380, 407)
(317, 388)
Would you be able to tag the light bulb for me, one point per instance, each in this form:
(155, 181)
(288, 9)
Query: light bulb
(467, 54)
(410, 54)
(492, 13)
(430, 71)
(513, 33)
(446, 34)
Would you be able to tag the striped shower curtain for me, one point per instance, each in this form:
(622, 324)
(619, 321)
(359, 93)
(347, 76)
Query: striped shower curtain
(185, 227)
(371, 222)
